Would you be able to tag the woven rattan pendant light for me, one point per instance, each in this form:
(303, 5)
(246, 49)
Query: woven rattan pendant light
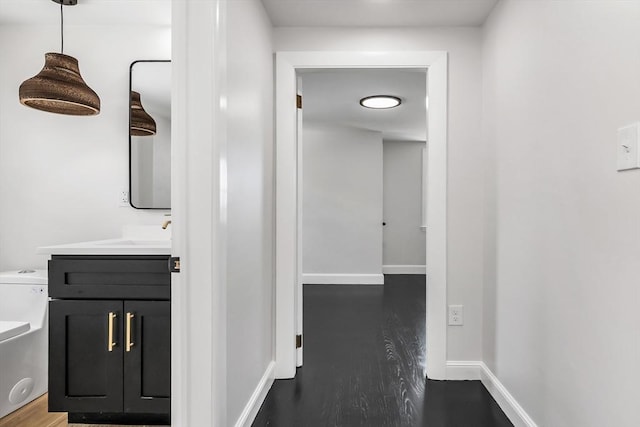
(142, 124)
(59, 87)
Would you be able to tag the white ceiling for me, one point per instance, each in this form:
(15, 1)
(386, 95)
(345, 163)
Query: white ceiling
(333, 96)
(378, 13)
(315, 13)
(87, 12)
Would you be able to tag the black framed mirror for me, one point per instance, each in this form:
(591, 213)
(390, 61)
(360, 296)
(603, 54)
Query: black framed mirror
(150, 134)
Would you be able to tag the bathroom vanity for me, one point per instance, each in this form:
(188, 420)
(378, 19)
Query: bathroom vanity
(110, 332)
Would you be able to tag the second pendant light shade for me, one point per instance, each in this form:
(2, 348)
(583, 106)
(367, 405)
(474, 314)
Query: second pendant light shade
(142, 124)
(59, 88)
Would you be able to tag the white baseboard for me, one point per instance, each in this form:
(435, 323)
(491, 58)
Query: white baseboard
(250, 411)
(459, 370)
(404, 269)
(476, 370)
(343, 279)
(507, 402)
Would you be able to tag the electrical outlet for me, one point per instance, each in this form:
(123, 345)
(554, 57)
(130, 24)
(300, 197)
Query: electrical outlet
(123, 198)
(456, 315)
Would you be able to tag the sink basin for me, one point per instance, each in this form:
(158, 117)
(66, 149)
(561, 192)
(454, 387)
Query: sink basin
(119, 246)
(126, 242)
(135, 240)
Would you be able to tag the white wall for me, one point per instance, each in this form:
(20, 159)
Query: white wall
(342, 201)
(60, 176)
(465, 186)
(403, 240)
(250, 202)
(562, 231)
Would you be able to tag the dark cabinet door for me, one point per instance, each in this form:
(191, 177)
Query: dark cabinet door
(147, 357)
(85, 356)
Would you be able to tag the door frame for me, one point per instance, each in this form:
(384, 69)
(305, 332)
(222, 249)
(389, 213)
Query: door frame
(199, 212)
(288, 248)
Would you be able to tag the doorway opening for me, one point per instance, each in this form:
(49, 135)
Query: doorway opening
(288, 299)
(361, 201)
(363, 248)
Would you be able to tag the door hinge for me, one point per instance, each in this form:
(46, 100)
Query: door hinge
(299, 101)
(174, 264)
(298, 341)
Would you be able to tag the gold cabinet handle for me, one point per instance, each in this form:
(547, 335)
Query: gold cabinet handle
(129, 342)
(111, 344)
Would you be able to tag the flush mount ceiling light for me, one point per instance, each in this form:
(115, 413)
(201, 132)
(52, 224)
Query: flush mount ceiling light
(59, 87)
(380, 102)
(142, 124)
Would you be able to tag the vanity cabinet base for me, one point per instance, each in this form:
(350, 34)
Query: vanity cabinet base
(118, 418)
(110, 359)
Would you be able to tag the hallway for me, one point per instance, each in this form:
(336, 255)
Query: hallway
(364, 365)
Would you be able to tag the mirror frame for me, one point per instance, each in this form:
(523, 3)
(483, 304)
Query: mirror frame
(129, 127)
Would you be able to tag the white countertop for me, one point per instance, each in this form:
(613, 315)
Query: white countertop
(120, 246)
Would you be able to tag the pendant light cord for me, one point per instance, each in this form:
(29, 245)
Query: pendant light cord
(61, 29)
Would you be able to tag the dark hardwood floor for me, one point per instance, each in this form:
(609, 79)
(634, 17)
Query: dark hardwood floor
(364, 365)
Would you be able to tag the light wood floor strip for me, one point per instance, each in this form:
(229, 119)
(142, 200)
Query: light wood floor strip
(35, 414)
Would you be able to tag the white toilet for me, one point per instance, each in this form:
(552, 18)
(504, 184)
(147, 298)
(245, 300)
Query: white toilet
(23, 338)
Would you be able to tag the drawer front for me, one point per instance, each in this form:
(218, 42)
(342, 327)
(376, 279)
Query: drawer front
(109, 277)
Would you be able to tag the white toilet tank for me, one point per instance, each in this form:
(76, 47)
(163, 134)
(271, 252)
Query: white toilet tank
(24, 296)
(23, 338)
